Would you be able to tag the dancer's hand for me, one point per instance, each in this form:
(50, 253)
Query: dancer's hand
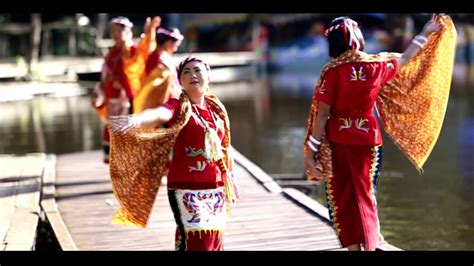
(156, 22)
(123, 123)
(152, 24)
(310, 166)
(97, 96)
(431, 26)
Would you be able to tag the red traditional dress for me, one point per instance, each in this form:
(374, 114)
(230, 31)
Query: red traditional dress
(116, 87)
(120, 81)
(195, 184)
(355, 138)
(201, 187)
(412, 106)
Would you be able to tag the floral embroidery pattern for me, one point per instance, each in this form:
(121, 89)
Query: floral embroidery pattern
(192, 153)
(203, 205)
(358, 75)
(346, 123)
(200, 166)
(359, 124)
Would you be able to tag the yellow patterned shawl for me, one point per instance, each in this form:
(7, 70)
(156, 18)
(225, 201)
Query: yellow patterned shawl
(138, 159)
(134, 64)
(155, 90)
(413, 104)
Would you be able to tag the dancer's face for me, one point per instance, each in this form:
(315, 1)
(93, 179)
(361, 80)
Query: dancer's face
(195, 78)
(119, 33)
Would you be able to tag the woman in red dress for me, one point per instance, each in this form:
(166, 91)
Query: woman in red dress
(343, 117)
(121, 71)
(159, 81)
(200, 183)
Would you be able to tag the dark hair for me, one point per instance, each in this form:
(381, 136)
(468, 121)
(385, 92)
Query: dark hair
(339, 33)
(187, 60)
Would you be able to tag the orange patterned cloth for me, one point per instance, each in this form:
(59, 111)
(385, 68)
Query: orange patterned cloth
(134, 65)
(155, 90)
(139, 157)
(412, 105)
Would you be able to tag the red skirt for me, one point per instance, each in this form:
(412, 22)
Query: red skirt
(351, 194)
(200, 217)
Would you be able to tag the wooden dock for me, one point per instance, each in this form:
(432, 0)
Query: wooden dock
(268, 218)
(262, 221)
(73, 194)
(20, 186)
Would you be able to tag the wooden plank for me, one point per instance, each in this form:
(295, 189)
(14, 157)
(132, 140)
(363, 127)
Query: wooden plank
(7, 201)
(304, 200)
(50, 208)
(252, 217)
(32, 165)
(10, 171)
(265, 219)
(257, 172)
(21, 233)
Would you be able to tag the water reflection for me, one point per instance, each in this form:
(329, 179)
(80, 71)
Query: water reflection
(45, 124)
(432, 211)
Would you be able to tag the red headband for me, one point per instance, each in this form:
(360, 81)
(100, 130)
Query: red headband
(345, 23)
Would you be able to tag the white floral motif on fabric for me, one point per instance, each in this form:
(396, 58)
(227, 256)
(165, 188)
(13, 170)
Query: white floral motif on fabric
(202, 209)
